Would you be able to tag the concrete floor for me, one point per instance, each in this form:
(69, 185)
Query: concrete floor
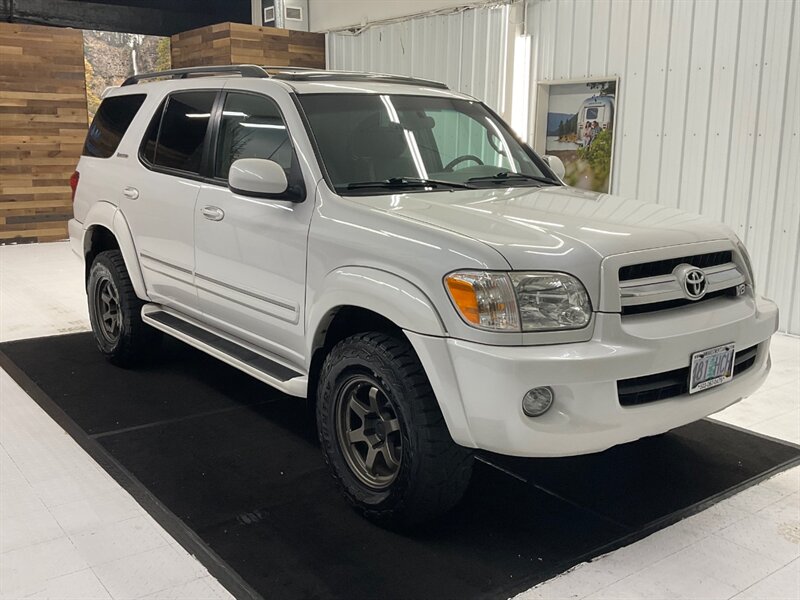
(68, 530)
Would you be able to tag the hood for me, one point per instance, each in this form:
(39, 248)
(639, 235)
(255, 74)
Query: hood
(536, 227)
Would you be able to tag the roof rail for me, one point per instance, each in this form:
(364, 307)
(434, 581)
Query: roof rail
(283, 68)
(243, 70)
(304, 74)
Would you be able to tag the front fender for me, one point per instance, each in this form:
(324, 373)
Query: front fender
(408, 307)
(105, 214)
(392, 297)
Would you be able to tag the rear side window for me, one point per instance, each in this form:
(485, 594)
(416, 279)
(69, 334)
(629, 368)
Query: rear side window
(110, 124)
(176, 135)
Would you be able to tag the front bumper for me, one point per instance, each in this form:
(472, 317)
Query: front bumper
(480, 387)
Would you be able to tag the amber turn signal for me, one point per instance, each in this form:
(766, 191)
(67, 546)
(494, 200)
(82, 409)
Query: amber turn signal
(484, 299)
(463, 295)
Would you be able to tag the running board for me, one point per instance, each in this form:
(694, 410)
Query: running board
(234, 353)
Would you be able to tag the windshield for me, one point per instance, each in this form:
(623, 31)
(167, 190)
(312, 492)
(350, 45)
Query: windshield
(376, 143)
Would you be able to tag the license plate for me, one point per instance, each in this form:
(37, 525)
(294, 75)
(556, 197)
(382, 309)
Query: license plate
(711, 368)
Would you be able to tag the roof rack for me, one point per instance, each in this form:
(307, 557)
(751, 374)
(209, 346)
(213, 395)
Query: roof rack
(283, 68)
(243, 70)
(305, 74)
(286, 73)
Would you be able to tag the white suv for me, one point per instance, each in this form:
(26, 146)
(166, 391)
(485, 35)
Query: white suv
(388, 248)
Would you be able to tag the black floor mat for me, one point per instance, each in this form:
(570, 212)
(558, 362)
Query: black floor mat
(232, 469)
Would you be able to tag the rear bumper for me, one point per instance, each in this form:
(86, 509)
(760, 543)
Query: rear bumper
(75, 229)
(480, 387)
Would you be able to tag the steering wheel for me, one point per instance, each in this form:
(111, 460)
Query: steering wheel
(463, 158)
(494, 142)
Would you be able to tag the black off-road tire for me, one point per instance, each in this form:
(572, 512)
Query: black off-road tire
(433, 471)
(129, 341)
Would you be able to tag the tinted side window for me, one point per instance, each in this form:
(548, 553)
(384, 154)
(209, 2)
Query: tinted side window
(183, 130)
(251, 127)
(110, 124)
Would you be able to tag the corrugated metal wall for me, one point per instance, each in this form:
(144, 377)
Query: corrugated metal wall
(709, 100)
(466, 50)
(709, 107)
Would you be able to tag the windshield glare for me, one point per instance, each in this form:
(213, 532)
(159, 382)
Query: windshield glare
(372, 138)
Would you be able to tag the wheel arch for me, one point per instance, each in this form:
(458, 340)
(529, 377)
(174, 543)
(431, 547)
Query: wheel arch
(105, 228)
(358, 299)
(373, 295)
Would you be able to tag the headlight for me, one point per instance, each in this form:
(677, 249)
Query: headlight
(519, 301)
(551, 301)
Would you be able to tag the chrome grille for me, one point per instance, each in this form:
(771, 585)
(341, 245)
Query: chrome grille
(665, 267)
(637, 309)
(665, 290)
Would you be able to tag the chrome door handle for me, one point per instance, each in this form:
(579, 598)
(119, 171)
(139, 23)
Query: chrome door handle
(130, 192)
(212, 213)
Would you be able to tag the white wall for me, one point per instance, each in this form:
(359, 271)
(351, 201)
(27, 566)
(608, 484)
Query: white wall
(466, 50)
(708, 111)
(336, 14)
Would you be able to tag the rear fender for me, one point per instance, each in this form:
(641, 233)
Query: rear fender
(105, 214)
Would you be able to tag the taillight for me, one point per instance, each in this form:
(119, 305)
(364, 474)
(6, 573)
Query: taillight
(73, 183)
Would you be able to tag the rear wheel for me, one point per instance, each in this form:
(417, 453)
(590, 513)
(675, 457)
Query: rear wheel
(115, 312)
(383, 434)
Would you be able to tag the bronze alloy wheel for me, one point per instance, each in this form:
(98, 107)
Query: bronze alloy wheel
(383, 434)
(368, 432)
(107, 309)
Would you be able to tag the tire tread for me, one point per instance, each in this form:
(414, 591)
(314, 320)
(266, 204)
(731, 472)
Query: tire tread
(138, 340)
(442, 471)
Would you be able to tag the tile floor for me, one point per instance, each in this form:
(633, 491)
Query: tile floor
(67, 530)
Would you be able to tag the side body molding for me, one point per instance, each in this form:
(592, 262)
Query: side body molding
(105, 214)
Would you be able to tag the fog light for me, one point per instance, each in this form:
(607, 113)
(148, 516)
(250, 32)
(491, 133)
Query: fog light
(537, 401)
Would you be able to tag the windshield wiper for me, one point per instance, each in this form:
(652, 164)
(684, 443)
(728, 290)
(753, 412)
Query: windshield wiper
(401, 182)
(506, 175)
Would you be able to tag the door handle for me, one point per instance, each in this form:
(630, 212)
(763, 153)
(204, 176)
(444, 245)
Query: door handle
(212, 213)
(130, 192)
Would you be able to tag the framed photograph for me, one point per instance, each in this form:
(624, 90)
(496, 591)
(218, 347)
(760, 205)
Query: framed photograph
(575, 122)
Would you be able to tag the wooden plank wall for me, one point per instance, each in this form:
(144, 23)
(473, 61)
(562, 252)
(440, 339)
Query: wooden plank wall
(235, 43)
(42, 128)
(204, 46)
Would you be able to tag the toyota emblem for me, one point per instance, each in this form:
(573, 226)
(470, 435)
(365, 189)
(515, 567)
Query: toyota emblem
(694, 282)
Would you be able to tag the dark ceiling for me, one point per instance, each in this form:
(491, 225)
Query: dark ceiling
(153, 17)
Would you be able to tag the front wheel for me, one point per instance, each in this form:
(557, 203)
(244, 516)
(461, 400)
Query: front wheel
(115, 312)
(383, 434)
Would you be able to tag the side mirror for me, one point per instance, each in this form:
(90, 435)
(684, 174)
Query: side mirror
(556, 165)
(257, 177)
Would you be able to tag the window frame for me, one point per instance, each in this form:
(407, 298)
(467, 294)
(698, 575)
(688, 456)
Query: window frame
(206, 174)
(203, 174)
